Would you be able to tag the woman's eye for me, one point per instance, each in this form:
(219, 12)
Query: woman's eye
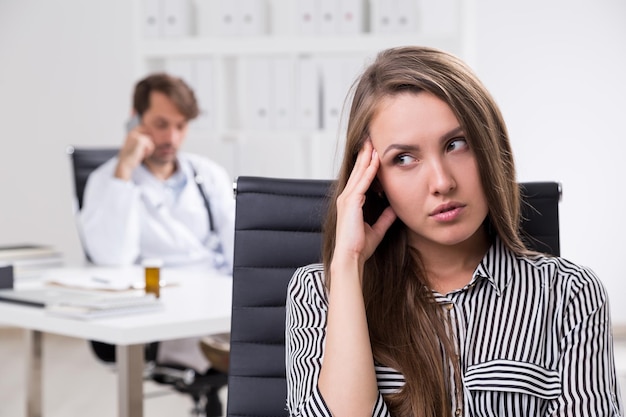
(404, 159)
(456, 144)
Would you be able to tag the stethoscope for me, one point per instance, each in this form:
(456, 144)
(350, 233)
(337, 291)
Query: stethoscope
(199, 180)
(214, 242)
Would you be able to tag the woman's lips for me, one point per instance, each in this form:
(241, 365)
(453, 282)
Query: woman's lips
(447, 212)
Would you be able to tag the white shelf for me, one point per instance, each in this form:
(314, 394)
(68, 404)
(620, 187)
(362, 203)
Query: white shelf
(267, 45)
(318, 68)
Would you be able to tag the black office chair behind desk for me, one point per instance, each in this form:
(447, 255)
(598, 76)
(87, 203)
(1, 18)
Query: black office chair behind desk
(277, 229)
(203, 389)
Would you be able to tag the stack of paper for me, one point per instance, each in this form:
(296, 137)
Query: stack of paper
(29, 258)
(100, 278)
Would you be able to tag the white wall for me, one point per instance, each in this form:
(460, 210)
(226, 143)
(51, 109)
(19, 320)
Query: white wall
(556, 68)
(66, 73)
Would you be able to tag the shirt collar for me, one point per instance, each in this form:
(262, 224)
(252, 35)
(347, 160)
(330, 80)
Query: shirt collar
(151, 187)
(498, 266)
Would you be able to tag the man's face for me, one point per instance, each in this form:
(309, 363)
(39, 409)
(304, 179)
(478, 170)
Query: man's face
(166, 126)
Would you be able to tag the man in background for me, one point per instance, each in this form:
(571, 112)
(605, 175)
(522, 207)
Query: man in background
(153, 201)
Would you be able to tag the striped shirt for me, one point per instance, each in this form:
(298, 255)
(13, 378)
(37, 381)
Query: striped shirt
(533, 336)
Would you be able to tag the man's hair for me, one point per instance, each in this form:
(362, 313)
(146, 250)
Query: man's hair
(173, 88)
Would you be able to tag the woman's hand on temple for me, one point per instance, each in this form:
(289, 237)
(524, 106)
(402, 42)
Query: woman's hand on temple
(356, 238)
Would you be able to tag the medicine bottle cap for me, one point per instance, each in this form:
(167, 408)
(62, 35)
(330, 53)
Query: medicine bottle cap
(152, 263)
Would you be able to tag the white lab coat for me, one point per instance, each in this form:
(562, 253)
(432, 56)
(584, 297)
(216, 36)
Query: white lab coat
(123, 222)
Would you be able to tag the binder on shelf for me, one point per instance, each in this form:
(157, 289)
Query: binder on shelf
(252, 16)
(328, 17)
(256, 92)
(176, 18)
(283, 86)
(333, 93)
(151, 18)
(307, 94)
(231, 17)
(199, 75)
(294, 158)
(439, 17)
(337, 76)
(350, 17)
(182, 68)
(406, 16)
(205, 94)
(205, 17)
(307, 17)
(228, 18)
(383, 16)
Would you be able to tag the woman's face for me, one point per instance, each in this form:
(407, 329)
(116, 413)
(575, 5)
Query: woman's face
(428, 171)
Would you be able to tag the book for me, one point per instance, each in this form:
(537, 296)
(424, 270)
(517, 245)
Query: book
(99, 306)
(27, 251)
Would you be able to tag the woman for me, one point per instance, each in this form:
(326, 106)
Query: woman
(428, 303)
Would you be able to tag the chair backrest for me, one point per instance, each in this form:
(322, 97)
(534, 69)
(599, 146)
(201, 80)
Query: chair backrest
(278, 228)
(84, 161)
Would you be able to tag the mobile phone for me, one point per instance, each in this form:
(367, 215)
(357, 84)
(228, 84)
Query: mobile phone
(133, 122)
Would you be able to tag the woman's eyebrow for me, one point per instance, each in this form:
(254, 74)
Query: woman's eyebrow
(401, 147)
(453, 132)
(414, 148)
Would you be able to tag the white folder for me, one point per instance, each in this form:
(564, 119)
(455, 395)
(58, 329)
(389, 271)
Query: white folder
(205, 94)
(328, 17)
(338, 75)
(333, 92)
(282, 95)
(176, 18)
(151, 18)
(252, 15)
(255, 96)
(205, 12)
(307, 16)
(307, 94)
(406, 16)
(350, 17)
(182, 68)
(251, 159)
(439, 17)
(383, 16)
(228, 17)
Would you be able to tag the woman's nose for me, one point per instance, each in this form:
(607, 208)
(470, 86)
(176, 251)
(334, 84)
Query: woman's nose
(441, 178)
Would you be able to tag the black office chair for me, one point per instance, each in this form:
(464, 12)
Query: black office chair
(278, 227)
(203, 389)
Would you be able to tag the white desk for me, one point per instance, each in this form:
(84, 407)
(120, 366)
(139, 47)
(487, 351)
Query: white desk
(199, 305)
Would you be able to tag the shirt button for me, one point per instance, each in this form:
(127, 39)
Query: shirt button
(457, 412)
(450, 306)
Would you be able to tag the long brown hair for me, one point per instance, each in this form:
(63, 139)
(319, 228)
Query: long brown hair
(407, 327)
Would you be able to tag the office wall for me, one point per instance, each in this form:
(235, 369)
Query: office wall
(556, 68)
(66, 70)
